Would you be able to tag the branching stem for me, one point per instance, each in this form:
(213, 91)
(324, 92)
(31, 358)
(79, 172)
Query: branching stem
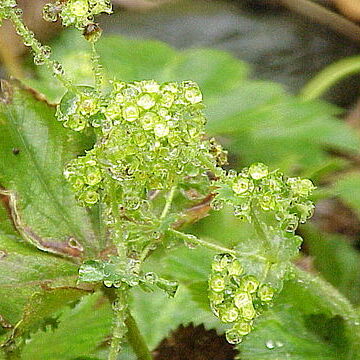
(196, 241)
(97, 67)
(37, 48)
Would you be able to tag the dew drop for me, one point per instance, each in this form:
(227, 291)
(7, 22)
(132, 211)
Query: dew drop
(39, 59)
(130, 113)
(146, 101)
(161, 130)
(233, 337)
(270, 344)
(258, 171)
(150, 277)
(46, 51)
(108, 283)
(51, 12)
(57, 68)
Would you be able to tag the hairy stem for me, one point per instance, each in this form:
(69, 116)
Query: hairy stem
(119, 327)
(329, 77)
(196, 241)
(136, 340)
(29, 40)
(97, 67)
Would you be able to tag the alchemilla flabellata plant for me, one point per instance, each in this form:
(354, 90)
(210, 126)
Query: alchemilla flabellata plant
(150, 149)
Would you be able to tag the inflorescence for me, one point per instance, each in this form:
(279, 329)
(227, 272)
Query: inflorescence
(235, 297)
(150, 137)
(79, 13)
(256, 189)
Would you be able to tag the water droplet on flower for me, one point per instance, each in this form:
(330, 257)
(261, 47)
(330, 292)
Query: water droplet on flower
(150, 86)
(258, 171)
(229, 314)
(146, 101)
(130, 113)
(242, 299)
(217, 283)
(193, 95)
(249, 283)
(265, 293)
(233, 336)
(167, 99)
(241, 186)
(161, 130)
(78, 8)
(51, 11)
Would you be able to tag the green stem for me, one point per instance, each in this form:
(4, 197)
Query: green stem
(97, 67)
(37, 48)
(136, 340)
(196, 241)
(119, 327)
(330, 76)
(168, 202)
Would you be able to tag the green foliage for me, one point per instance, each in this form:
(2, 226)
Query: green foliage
(88, 323)
(348, 189)
(337, 260)
(50, 217)
(24, 271)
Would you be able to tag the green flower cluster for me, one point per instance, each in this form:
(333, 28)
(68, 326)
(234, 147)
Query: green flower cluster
(150, 137)
(256, 189)
(6, 6)
(79, 13)
(85, 176)
(79, 110)
(235, 297)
